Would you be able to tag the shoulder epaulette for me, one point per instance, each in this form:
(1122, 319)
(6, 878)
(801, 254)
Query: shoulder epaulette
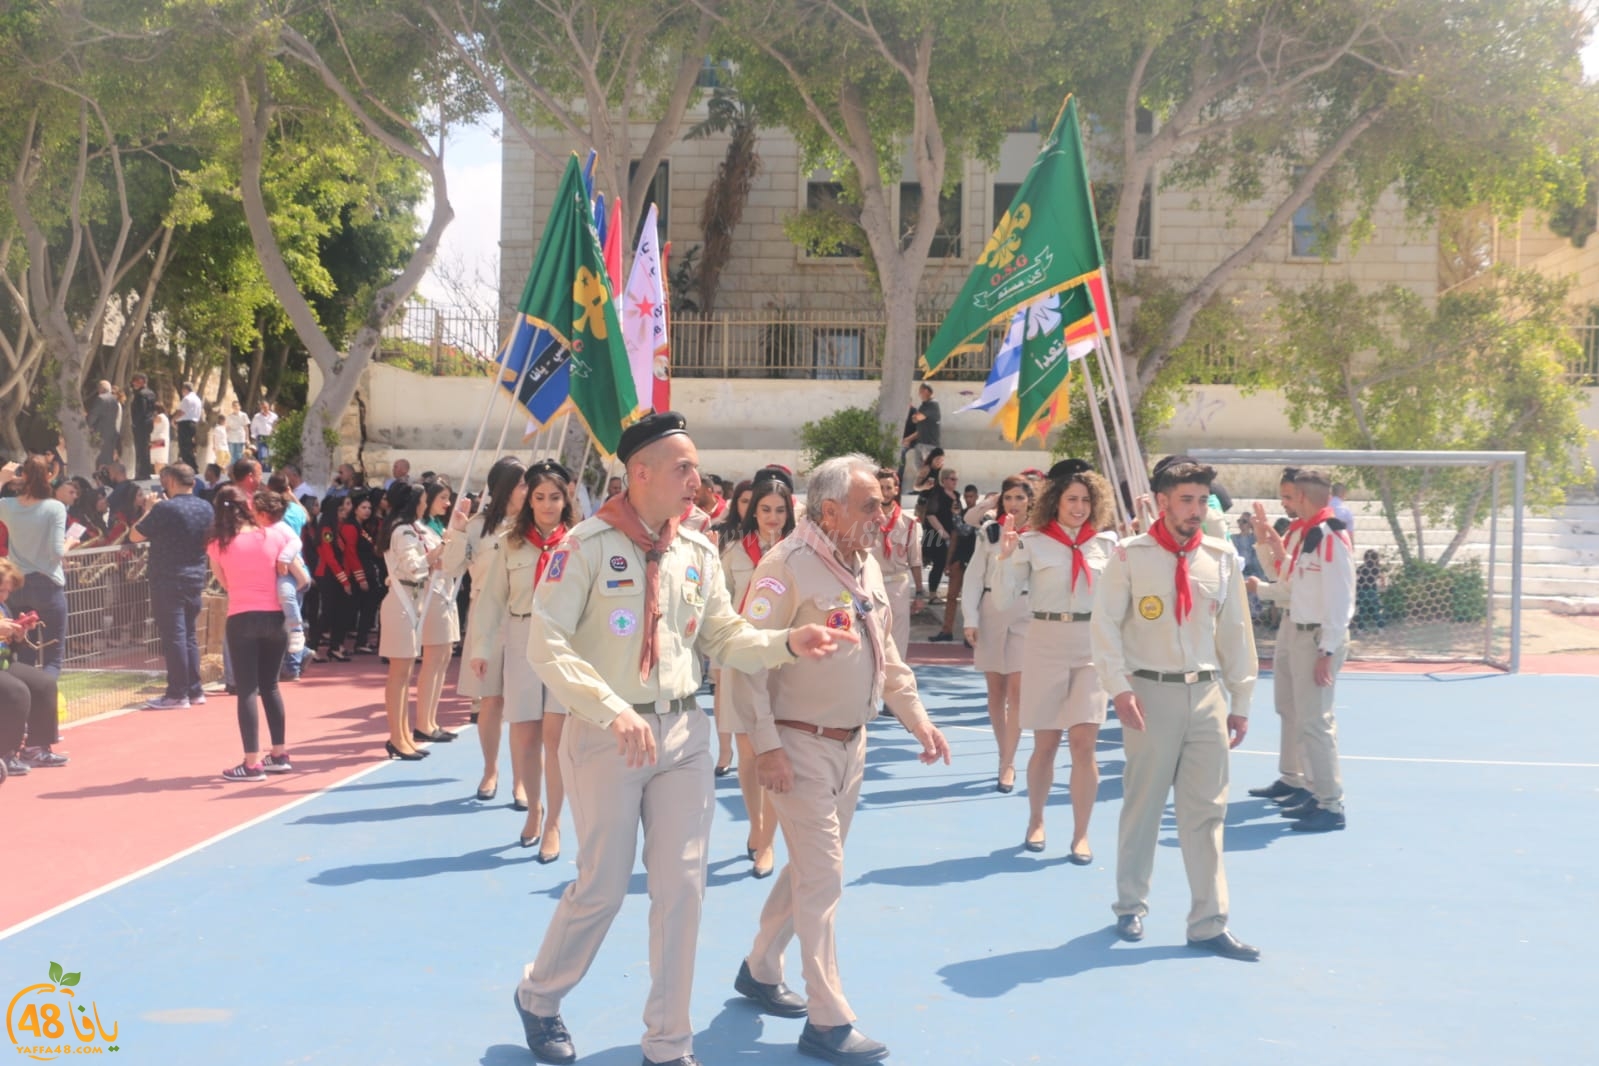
(589, 527)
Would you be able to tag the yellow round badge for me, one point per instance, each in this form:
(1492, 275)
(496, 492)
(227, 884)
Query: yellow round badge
(1151, 608)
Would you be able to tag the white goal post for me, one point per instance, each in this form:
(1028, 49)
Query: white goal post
(1437, 580)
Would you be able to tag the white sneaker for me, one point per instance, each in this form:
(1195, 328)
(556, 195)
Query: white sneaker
(296, 641)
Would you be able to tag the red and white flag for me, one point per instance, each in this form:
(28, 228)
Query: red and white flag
(644, 323)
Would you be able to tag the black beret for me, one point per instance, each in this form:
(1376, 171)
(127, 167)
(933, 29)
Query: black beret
(1172, 460)
(1066, 468)
(773, 473)
(547, 466)
(648, 430)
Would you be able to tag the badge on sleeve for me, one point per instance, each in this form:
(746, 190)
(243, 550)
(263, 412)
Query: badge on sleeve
(1151, 608)
(557, 568)
(760, 607)
(692, 627)
(618, 563)
(623, 622)
(838, 620)
(772, 583)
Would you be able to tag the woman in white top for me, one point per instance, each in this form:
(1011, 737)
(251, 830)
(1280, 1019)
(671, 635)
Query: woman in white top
(541, 522)
(768, 519)
(1056, 562)
(417, 618)
(217, 440)
(160, 440)
(997, 636)
(470, 544)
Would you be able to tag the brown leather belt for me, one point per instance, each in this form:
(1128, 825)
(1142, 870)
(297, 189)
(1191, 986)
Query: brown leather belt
(830, 732)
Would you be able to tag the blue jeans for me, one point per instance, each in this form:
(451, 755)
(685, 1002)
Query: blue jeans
(293, 664)
(39, 593)
(176, 605)
(236, 451)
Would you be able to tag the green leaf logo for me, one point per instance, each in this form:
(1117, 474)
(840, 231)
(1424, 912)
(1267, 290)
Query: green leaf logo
(69, 979)
(55, 973)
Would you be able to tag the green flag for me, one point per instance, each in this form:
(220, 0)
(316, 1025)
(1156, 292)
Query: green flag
(569, 295)
(1046, 243)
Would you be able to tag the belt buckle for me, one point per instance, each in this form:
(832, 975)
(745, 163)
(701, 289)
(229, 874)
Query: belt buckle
(1190, 677)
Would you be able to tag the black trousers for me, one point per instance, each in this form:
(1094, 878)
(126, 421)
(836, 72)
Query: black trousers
(335, 613)
(141, 452)
(256, 643)
(186, 443)
(27, 704)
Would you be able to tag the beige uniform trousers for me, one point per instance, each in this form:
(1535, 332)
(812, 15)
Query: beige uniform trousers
(899, 610)
(1291, 752)
(1313, 715)
(1183, 743)
(673, 799)
(815, 817)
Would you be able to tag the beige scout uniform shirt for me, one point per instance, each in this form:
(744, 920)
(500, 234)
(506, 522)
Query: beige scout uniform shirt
(1041, 569)
(792, 587)
(905, 544)
(1322, 591)
(1278, 592)
(469, 551)
(584, 640)
(505, 588)
(1135, 619)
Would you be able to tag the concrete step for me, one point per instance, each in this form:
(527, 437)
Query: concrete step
(1564, 605)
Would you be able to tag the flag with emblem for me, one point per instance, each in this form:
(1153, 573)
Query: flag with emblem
(569, 297)
(1046, 244)
(644, 312)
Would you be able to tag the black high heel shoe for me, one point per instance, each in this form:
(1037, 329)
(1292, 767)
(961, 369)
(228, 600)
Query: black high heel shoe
(408, 756)
(436, 737)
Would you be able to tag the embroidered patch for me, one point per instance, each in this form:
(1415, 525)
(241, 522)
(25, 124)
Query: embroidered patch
(838, 620)
(1151, 608)
(776, 586)
(693, 625)
(623, 622)
(846, 599)
(621, 583)
(557, 568)
(618, 563)
(760, 607)
(692, 574)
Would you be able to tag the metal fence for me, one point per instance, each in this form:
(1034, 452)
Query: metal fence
(112, 657)
(440, 340)
(1586, 370)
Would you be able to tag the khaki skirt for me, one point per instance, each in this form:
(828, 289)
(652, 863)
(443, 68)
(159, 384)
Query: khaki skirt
(526, 698)
(490, 684)
(398, 638)
(1060, 687)
(1001, 635)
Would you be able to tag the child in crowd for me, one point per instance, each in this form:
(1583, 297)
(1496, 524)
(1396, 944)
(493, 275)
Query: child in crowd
(292, 576)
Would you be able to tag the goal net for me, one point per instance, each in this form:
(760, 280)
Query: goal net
(1437, 543)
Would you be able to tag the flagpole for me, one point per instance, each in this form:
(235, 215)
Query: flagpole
(1141, 472)
(1106, 456)
(1126, 444)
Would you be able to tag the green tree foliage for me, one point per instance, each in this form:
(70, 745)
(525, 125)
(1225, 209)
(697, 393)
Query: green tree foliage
(847, 431)
(1484, 371)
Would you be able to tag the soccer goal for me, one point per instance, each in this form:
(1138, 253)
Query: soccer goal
(1438, 547)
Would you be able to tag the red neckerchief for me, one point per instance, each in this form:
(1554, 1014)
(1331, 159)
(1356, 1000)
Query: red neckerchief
(719, 510)
(1056, 532)
(1305, 525)
(619, 514)
(1161, 535)
(557, 535)
(888, 528)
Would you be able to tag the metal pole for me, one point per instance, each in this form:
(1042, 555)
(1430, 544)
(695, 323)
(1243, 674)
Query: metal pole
(1493, 558)
(1141, 473)
(1126, 443)
(1106, 457)
(1518, 521)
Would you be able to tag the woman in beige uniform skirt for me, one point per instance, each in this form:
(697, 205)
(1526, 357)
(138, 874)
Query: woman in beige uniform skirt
(540, 525)
(469, 549)
(1055, 562)
(729, 529)
(997, 634)
(418, 619)
(768, 519)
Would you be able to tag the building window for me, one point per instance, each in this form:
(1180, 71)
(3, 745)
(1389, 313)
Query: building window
(947, 241)
(1312, 228)
(828, 197)
(714, 73)
(1144, 121)
(1004, 193)
(1144, 229)
(659, 194)
(836, 354)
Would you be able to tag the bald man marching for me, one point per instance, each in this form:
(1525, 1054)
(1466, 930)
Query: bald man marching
(627, 607)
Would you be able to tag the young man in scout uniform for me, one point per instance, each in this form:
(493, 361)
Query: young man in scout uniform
(1315, 642)
(626, 608)
(807, 723)
(898, 551)
(1174, 648)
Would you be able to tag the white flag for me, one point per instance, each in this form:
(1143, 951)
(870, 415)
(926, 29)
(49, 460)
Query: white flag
(644, 313)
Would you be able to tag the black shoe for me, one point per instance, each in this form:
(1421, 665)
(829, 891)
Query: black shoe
(484, 795)
(776, 999)
(1080, 858)
(941, 638)
(842, 1044)
(1276, 790)
(723, 771)
(547, 1038)
(1294, 798)
(681, 1060)
(1130, 927)
(1034, 846)
(1303, 810)
(1227, 946)
(1320, 820)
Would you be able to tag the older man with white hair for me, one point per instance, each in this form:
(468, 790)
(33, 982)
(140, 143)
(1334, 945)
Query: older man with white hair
(807, 722)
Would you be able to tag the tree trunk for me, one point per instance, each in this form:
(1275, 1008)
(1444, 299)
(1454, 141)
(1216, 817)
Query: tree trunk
(899, 352)
(74, 424)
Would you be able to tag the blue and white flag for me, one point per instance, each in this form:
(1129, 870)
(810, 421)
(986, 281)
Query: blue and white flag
(1005, 374)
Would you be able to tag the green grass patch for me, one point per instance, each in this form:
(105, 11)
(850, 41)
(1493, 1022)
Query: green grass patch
(89, 692)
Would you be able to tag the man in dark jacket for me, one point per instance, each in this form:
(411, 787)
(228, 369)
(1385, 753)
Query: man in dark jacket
(105, 418)
(141, 413)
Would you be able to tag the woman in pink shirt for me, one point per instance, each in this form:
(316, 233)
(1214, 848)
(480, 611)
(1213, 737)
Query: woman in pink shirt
(244, 554)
